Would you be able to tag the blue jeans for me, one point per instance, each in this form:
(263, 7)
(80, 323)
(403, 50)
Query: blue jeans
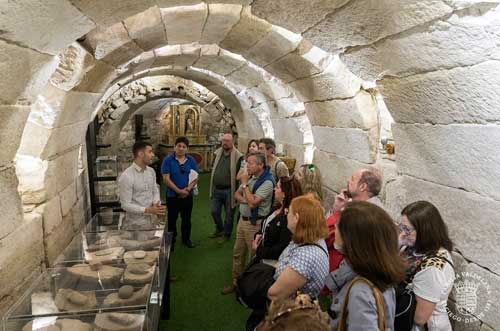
(222, 198)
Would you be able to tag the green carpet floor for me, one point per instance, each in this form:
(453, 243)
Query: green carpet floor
(201, 274)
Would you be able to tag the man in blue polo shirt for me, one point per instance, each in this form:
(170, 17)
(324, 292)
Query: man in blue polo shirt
(175, 170)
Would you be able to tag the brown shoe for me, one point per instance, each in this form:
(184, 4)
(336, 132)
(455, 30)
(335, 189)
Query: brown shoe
(173, 279)
(228, 290)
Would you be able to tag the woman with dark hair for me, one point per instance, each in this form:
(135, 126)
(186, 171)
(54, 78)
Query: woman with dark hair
(426, 245)
(253, 146)
(363, 296)
(274, 237)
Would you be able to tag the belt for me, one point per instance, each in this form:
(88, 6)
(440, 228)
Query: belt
(222, 187)
(245, 218)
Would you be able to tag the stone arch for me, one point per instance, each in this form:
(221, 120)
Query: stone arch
(431, 60)
(86, 77)
(122, 104)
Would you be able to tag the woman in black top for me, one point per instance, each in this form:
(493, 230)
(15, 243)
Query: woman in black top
(274, 236)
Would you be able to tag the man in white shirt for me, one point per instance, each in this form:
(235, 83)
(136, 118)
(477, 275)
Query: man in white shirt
(139, 193)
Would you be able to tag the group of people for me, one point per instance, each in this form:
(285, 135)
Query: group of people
(140, 193)
(358, 256)
(355, 253)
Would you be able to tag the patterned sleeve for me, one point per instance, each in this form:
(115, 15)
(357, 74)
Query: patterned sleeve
(302, 261)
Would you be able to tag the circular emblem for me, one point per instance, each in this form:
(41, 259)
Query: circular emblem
(468, 289)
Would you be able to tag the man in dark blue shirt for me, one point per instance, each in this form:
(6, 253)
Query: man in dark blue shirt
(175, 170)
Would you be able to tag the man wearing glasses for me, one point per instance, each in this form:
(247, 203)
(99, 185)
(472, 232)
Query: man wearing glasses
(175, 170)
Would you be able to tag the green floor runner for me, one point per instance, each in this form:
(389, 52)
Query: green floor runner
(201, 274)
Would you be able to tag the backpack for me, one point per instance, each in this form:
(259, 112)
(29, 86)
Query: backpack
(406, 301)
(252, 285)
(276, 168)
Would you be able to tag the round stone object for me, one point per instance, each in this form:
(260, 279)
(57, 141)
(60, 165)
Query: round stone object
(125, 292)
(139, 268)
(139, 254)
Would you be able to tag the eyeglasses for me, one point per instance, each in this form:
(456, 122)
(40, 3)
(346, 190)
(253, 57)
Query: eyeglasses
(183, 170)
(407, 230)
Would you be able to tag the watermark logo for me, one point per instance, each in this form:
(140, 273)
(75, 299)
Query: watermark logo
(469, 287)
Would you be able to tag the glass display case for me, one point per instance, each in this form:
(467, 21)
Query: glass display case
(79, 293)
(109, 220)
(106, 219)
(106, 166)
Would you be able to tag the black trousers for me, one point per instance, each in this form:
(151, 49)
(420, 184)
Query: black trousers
(254, 319)
(184, 207)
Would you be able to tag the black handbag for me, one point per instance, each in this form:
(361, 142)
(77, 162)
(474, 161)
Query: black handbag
(406, 303)
(252, 285)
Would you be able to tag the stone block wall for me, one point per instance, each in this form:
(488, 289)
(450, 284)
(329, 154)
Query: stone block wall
(435, 63)
(313, 87)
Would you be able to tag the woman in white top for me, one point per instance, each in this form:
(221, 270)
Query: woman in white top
(425, 241)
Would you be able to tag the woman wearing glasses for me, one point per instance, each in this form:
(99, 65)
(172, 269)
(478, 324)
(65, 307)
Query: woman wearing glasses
(426, 245)
(176, 169)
